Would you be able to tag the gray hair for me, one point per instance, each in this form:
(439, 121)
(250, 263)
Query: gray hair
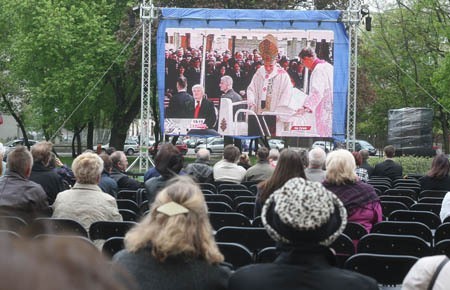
(317, 157)
(203, 154)
(227, 80)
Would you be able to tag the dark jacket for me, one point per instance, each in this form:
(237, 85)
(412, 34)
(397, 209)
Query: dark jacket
(22, 197)
(389, 169)
(124, 181)
(369, 168)
(180, 106)
(108, 185)
(153, 186)
(429, 183)
(175, 273)
(50, 181)
(311, 270)
(201, 170)
(207, 112)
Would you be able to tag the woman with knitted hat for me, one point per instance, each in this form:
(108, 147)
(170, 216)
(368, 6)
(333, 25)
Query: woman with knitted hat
(362, 203)
(305, 219)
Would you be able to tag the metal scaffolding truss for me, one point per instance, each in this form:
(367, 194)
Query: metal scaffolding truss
(351, 17)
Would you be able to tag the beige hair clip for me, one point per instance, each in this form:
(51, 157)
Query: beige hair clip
(172, 208)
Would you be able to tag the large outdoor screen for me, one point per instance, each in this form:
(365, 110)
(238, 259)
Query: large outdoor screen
(248, 80)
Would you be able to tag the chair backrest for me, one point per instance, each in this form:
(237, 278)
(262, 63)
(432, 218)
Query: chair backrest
(208, 186)
(253, 188)
(218, 198)
(143, 207)
(394, 245)
(402, 192)
(128, 194)
(433, 193)
(249, 183)
(228, 186)
(403, 199)
(112, 246)
(442, 247)
(386, 269)
(108, 229)
(257, 222)
(412, 181)
(430, 219)
(233, 193)
(442, 232)
(239, 199)
(432, 207)
(267, 255)
(218, 206)
(128, 215)
(9, 234)
(247, 209)
(355, 231)
(414, 187)
(207, 191)
(403, 228)
(254, 239)
(390, 206)
(128, 204)
(223, 219)
(57, 226)
(383, 178)
(437, 200)
(235, 254)
(344, 248)
(381, 187)
(12, 223)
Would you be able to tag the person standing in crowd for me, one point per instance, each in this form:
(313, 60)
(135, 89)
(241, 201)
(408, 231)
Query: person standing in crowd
(203, 108)
(304, 219)
(107, 184)
(359, 198)
(388, 167)
(226, 169)
(262, 170)
(18, 195)
(120, 164)
(316, 162)
(365, 156)
(201, 170)
(437, 177)
(319, 102)
(181, 104)
(42, 173)
(173, 246)
(85, 202)
(360, 172)
(289, 165)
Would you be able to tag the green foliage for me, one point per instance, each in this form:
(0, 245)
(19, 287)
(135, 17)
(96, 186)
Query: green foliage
(410, 164)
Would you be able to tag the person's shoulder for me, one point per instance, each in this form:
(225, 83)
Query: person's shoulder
(354, 280)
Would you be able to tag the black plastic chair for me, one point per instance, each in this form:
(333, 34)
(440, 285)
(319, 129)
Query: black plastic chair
(390, 206)
(57, 226)
(227, 186)
(437, 200)
(416, 189)
(128, 215)
(344, 248)
(128, 204)
(112, 246)
(406, 200)
(247, 209)
(386, 269)
(447, 219)
(432, 207)
(404, 228)
(257, 222)
(240, 199)
(144, 207)
(223, 219)
(253, 188)
(236, 254)
(107, 229)
(207, 191)
(129, 194)
(218, 206)
(248, 184)
(9, 234)
(411, 181)
(394, 245)
(12, 223)
(267, 255)
(355, 231)
(218, 198)
(430, 219)
(381, 187)
(442, 232)
(233, 193)
(254, 239)
(208, 186)
(402, 192)
(433, 193)
(442, 247)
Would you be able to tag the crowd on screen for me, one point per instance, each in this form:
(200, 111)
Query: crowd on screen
(304, 199)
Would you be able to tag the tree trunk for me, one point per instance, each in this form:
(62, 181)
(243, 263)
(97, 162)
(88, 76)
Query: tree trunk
(90, 135)
(444, 123)
(77, 137)
(18, 120)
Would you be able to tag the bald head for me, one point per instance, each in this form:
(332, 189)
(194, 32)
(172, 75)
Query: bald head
(203, 154)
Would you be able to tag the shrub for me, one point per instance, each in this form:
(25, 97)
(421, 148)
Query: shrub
(411, 164)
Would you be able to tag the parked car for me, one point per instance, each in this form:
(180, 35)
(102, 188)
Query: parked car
(182, 147)
(129, 147)
(193, 142)
(214, 145)
(276, 144)
(327, 146)
(9, 146)
(362, 144)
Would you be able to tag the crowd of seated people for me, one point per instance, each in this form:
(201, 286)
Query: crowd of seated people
(175, 240)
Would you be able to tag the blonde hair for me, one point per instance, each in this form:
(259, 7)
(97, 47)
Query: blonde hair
(341, 167)
(189, 234)
(87, 168)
